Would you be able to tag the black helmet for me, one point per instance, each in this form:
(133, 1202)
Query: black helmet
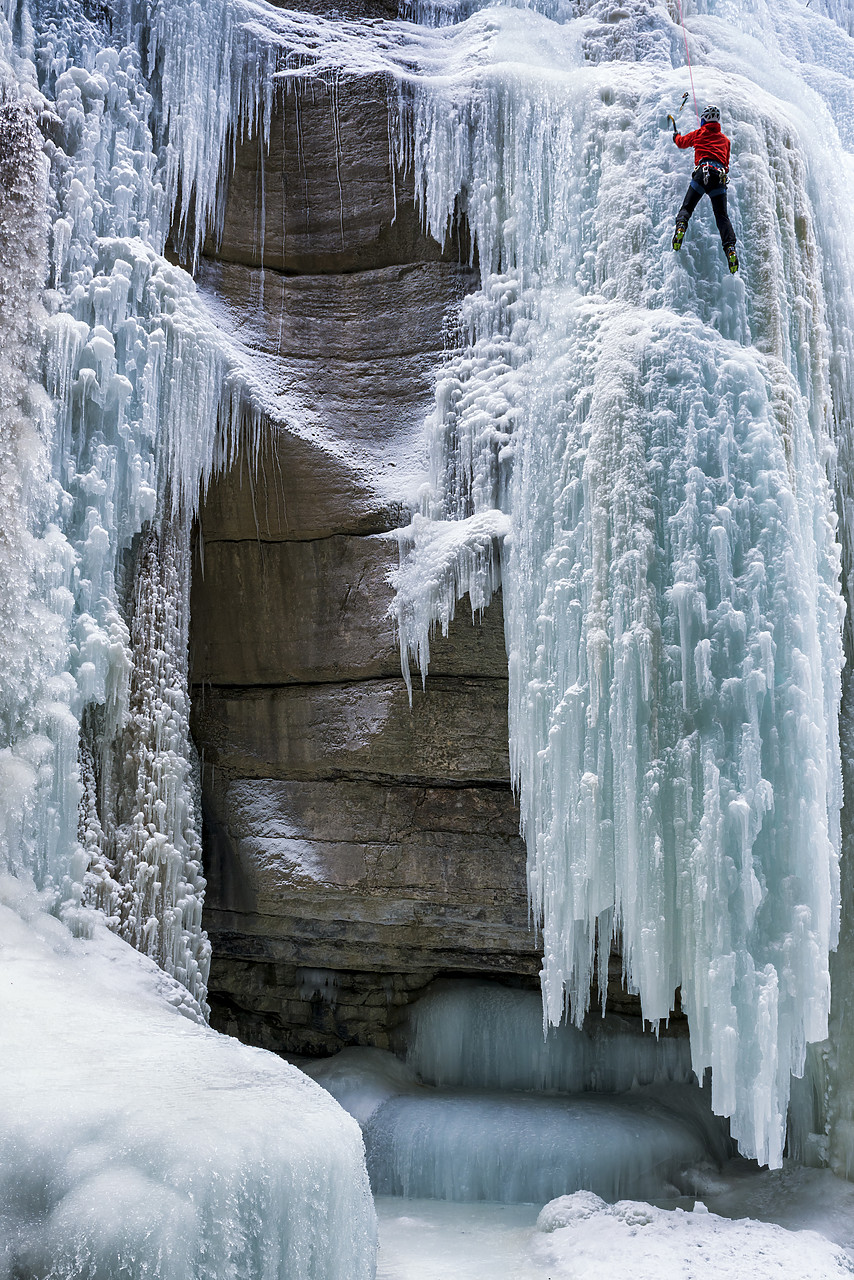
(711, 113)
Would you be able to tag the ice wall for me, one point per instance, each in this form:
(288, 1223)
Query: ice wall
(517, 1148)
(148, 398)
(465, 1139)
(484, 1036)
(38, 728)
(662, 438)
(134, 1141)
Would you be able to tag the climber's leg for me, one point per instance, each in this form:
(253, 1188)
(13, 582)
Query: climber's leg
(689, 204)
(722, 219)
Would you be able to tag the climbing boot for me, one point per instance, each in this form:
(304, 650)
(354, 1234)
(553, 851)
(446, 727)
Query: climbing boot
(732, 259)
(679, 234)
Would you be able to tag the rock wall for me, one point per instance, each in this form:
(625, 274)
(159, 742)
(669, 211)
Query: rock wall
(354, 849)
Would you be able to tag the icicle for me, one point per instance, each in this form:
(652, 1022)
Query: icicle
(158, 850)
(671, 575)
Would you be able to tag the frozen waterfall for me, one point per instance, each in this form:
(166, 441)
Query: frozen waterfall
(647, 456)
(118, 398)
(484, 1109)
(659, 442)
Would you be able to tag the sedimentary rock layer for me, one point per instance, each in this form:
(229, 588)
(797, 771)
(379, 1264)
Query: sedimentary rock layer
(355, 849)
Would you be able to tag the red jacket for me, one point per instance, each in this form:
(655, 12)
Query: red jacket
(709, 143)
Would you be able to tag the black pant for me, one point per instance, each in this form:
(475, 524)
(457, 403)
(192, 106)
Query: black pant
(717, 194)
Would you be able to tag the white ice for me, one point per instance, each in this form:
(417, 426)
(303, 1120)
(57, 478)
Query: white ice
(430, 1240)
(136, 1141)
(664, 439)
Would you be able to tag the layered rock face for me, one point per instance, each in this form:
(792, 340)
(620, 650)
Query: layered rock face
(355, 849)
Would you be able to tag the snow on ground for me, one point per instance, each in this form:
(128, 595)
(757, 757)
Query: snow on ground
(435, 1239)
(580, 1237)
(135, 1141)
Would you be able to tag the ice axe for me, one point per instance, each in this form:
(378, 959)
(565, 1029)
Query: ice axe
(673, 119)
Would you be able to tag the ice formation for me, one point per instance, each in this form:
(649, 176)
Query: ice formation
(524, 1147)
(435, 1239)
(151, 1146)
(514, 1146)
(487, 1036)
(663, 440)
(38, 746)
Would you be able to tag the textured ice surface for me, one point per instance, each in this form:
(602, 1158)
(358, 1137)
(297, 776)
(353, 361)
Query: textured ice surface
(514, 1147)
(485, 1036)
(150, 1145)
(662, 437)
(38, 728)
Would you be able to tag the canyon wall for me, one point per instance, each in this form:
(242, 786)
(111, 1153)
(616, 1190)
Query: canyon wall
(355, 849)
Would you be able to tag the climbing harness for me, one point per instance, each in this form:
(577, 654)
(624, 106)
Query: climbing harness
(688, 56)
(707, 173)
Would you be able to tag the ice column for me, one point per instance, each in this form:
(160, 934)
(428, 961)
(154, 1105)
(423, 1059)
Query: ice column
(38, 728)
(659, 435)
(160, 850)
(149, 398)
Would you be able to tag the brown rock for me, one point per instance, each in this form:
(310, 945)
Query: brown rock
(348, 366)
(325, 198)
(355, 850)
(456, 730)
(316, 611)
(359, 876)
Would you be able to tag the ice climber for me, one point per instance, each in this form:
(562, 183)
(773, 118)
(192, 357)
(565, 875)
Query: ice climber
(711, 167)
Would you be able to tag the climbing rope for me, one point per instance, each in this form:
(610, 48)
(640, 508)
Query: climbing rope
(688, 56)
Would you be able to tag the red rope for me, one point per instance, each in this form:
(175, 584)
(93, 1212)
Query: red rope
(688, 56)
